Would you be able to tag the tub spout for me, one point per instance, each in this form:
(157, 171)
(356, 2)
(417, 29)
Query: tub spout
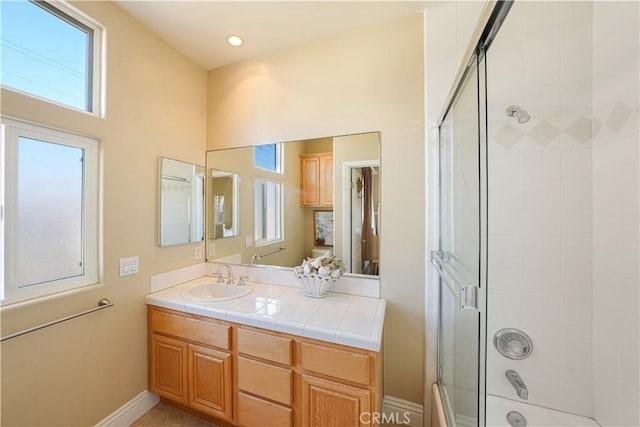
(517, 383)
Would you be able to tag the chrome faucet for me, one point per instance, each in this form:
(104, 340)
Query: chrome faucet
(254, 257)
(518, 384)
(229, 274)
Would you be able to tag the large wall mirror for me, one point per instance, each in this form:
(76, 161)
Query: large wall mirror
(181, 202)
(296, 200)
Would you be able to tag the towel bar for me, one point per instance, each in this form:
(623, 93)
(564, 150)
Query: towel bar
(103, 303)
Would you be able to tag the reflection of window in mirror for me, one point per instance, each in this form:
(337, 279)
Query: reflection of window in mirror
(268, 212)
(269, 157)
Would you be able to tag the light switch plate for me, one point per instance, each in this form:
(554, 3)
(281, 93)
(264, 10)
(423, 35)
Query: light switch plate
(248, 242)
(212, 249)
(129, 266)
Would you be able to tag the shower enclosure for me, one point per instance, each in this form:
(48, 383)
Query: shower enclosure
(539, 190)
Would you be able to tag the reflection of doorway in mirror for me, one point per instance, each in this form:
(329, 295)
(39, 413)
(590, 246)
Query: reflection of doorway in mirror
(361, 230)
(356, 220)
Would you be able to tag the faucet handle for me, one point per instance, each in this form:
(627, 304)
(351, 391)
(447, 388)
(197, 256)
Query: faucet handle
(241, 281)
(219, 276)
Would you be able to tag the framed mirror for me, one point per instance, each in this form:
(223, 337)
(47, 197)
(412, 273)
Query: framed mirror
(300, 199)
(225, 208)
(181, 202)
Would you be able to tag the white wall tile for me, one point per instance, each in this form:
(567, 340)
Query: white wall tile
(543, 279)
(543, 250)
(506, 194)
(507, 304)
(505, 277)
(576, 194)
(577, 339)
(577, 223)
(506, 222)
(577, 280)
(542, 308)
(543, 223)
(542, 194)
(507, 250)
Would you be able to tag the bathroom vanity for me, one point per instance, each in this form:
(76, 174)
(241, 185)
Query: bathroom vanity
(272, 357)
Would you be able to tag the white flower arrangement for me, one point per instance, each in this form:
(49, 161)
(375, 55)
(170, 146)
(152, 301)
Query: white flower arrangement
(318, 274)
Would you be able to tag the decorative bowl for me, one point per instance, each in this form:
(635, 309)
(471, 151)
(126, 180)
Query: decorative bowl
(315, 285)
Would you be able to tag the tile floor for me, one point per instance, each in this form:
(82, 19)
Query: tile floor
(163, 415)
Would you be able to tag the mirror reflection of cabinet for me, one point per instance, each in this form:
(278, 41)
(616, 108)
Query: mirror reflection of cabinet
(181, 202)
(316, 180)
(225, 188)
(334, 161)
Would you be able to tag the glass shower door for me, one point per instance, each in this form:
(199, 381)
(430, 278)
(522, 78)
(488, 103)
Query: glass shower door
(460, 258)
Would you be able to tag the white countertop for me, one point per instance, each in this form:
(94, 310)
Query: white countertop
(351, 320)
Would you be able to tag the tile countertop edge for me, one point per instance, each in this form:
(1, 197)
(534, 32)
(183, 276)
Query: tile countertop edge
(371, 341)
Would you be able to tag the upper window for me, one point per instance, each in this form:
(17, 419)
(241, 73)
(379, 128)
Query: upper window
(268, 157)
(50, 52)
(51, 215)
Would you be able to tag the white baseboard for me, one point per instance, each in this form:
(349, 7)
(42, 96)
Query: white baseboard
(400, 407)
(125, 415)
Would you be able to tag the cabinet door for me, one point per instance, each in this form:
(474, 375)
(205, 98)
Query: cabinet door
(210, 381)
(326, 180)
(328, 403)
(168, 367)
(310, 194)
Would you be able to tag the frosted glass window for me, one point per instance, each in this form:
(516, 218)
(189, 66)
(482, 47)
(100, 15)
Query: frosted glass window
(268, 214)
(48, 226)
(51, 211)
(47, 53)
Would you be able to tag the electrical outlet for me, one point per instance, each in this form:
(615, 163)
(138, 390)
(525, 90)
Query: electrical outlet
(212, 249)
(248, 242)
(198, 253)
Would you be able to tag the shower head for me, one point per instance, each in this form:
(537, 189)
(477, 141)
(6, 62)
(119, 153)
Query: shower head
(517, 111)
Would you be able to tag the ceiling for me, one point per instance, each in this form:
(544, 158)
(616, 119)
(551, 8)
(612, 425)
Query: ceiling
(199, 29)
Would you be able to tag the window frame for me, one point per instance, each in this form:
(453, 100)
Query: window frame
(280, 213)
(10, 132)
(95, 54)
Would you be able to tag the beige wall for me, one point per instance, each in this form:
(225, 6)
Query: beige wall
(368, 80)
(79, 371)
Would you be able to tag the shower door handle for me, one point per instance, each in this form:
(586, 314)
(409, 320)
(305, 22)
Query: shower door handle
(465, 294)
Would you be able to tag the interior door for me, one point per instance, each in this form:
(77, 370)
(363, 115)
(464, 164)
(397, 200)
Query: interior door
(460, 260)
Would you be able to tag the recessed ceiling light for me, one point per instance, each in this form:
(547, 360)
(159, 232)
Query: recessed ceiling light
(235, 40)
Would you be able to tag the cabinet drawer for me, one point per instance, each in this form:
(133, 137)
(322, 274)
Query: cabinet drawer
(257, 412)
(264, 346)
(342, 364)
(191, 328)
(265, 380)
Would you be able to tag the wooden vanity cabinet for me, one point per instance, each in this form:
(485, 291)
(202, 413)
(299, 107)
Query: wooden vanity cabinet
(338, 384)
(190, 361)
(316, 180)
(265, 378)
(254, 377)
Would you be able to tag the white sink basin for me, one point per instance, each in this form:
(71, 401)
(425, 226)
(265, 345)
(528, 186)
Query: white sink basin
(215, 292)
